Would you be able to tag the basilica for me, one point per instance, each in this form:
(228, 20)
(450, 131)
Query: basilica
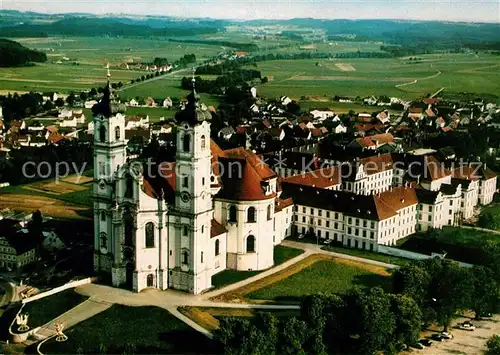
(178, 225)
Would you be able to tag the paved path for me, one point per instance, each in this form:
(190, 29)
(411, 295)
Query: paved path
(77, 314)
(316, 249)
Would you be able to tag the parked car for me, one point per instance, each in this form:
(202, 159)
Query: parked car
(426, 342)
(467, 326)
(326, 241)
(486, 315)
(302, 236)
(437, 337)
(446, 335)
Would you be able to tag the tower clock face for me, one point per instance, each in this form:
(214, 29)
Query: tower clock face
(185, 196)
(102, 184)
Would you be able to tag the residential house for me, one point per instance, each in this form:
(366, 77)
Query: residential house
(17, 248)
(137, 121)
(167, 102)
(133, 103)
(90, 103)
(150, 102)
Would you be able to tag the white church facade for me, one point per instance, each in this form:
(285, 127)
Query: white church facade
(179, 224)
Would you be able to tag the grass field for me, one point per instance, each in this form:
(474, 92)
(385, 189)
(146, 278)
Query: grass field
(132, 330)
(322, 276)
(227, 277)
(462, 236)
(46, 309)
(393, 77)
(66, 198)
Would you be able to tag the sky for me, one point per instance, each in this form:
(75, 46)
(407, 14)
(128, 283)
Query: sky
(450, 10)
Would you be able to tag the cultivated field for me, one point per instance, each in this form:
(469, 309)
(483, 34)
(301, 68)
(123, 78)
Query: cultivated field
(68, 198)
(404, 78)
(92, 54)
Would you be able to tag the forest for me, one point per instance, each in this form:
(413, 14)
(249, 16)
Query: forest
(13, 54)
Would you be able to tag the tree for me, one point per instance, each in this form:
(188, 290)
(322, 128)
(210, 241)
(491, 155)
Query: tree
(48, 105)
(93, 92)
(241, 337)
(486, 220)
(376, 321)
(292, 337)
(483, 291)
(413, 281)
(493, 345)
(70, 100)
(293, 107)
(449, 287)
(84, 96)
(59, 102)
(408, 319)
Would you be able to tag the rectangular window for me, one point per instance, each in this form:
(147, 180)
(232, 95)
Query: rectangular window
(327, 224)
(319, 222)
(349, 220)
(430, 208)
(312, 211)
(336, 225)
(372, 225)
(303, 219)
(365, 223)
(185, 181)
(303, 210)
(349, 230)
(327, 235)
(327, 214)
(319, 213)
(356, 221)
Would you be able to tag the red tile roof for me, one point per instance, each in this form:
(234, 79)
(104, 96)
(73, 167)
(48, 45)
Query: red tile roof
(321, 178)
(55, 138)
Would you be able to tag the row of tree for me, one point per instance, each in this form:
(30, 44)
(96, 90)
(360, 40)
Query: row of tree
(368, 321)
(221, 83)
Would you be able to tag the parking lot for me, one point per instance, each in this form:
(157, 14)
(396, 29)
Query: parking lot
(463, 342)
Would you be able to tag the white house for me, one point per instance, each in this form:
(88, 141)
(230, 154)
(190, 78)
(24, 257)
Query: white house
(133, 103)
(167, 102)
(138, 121)
(90, 103)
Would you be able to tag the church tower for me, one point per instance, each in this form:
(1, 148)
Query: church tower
(109, 155)
(191, 215)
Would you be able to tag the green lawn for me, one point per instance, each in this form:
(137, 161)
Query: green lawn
(389, 259)
(322, 276)
(227, 277)
(132, 330)
(494, 210)
(46, 309)
(465, 237)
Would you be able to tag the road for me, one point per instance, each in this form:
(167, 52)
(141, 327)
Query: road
(152, 79)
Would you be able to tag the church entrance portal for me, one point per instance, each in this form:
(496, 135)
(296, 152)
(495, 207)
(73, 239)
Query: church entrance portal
(150, 280)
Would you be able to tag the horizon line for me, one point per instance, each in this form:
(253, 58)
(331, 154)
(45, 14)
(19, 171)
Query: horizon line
(114, 14)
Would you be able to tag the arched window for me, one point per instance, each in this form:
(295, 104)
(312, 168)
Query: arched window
(232, 213)
(103, 216)
(217, 247)
(251, 214)
(150, 235)
(186, 143)
(203, 142)
(103, 237)
(102, 134)
(268, 212)
(185, 257)
(117, 132)
(129, 187)
(250, 244)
